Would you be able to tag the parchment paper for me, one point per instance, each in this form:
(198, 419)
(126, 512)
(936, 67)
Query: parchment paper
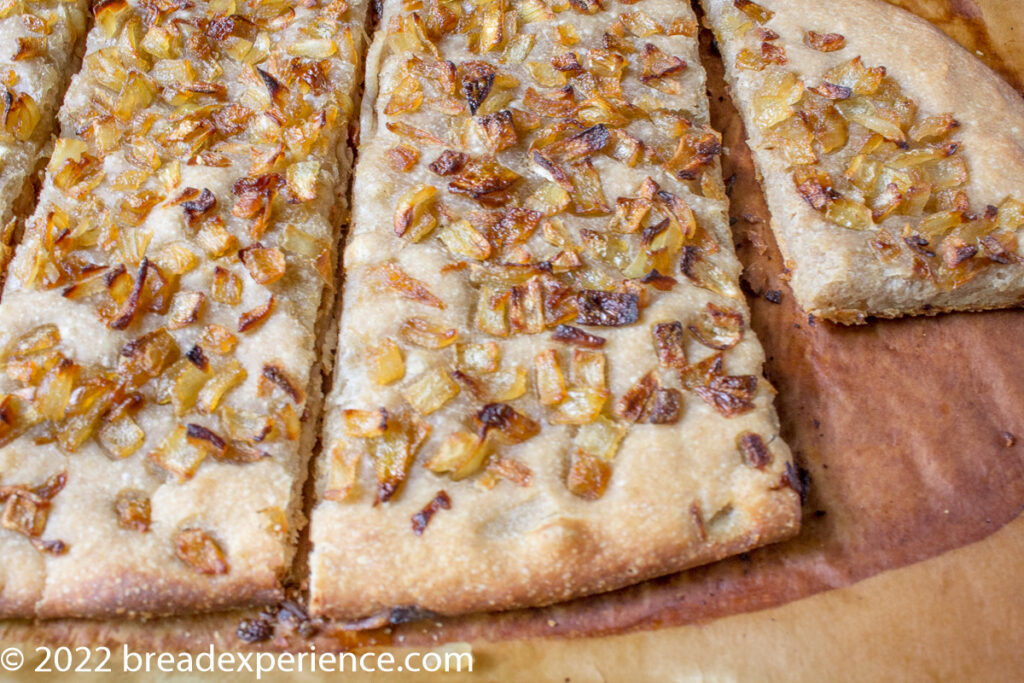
(912, 433)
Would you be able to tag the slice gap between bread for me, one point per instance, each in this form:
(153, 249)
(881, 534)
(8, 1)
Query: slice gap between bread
(38, 70)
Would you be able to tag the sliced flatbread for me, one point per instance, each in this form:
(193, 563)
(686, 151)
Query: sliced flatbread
(159, 322)
(892, 159)
(546, 383)
(40, 43)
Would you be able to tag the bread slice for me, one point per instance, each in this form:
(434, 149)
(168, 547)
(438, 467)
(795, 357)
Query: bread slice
(546, 385)
(892, 159)
(162, 385)
(40, 47)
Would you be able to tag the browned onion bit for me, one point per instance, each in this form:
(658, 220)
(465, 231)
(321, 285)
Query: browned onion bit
(402, 157)
(515, 227)
(275, 88)
(512, 470)
(51, 487)
(421, 519)
(265, 265)
(392, 277)
(666, 406)
(662, 283)
(824, 42)
(133, 510)
(448, 162)
(635, 403)
(670, 343)
(607, 309)
(814, 186)
(577, 337)
(702, 372)
(486, 181)
(1000, 250)
(197, 549)
(832, 91)
(587, 6)
(753, 10)
(498, 130)
(718, 328)
(198, 358)
(588, 475)
(657, 64)
(477, 81)
(698, 521)
(27, 509)
(146, 357)
(250, 320)
(568, 62)
(393, 453)
(512, 425)
(729, 395)
(580, 145)
(755, 452)
(956, 251)
(127, 313)
(25, 514)
(558, 103)
(276, 376)
(8, 419)
(772, 53)
(206, 439)
(51, 547)
(263, 184)
(196, 208)
(695, 150)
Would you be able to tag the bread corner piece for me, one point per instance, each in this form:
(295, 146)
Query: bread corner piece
(892, 159)
(160, 384)
(546, 382)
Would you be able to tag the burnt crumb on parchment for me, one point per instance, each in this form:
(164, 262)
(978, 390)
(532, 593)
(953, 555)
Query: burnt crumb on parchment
(255, 630)
(798, 479)
(294, 614)
(403, 614)
(289, 615)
